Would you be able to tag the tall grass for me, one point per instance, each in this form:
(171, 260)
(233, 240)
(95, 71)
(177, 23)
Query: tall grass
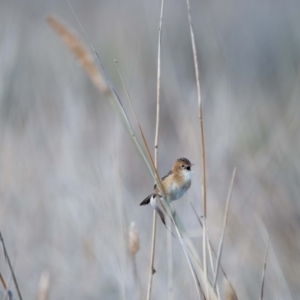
(187, 246)
(131, 262)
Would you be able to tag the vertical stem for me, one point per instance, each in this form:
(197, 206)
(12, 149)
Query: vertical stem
(203, 186)
(152, 270)
(170, 261)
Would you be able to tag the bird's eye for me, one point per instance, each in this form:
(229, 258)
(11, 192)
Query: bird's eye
(188, 168)
(182, 166)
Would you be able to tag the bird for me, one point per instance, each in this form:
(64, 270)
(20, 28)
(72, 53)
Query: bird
(175, 183)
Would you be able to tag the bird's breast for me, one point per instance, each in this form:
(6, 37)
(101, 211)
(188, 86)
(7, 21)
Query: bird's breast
(176, 190)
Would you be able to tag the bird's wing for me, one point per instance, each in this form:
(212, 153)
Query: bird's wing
(163, 178)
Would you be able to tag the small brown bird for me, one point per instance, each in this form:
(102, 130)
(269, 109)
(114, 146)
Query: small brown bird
(175, 184)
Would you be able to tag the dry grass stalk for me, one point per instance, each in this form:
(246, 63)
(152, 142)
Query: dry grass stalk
(82, 55)
(203, 189)
(184, 246)
(264, 273)
(170, 262)
(224, 228)
(151, 167)
(169, 234)
(156, 177)
(43, 287)
(10, 267)
(153, 238)
(212, 263)
(214, 252)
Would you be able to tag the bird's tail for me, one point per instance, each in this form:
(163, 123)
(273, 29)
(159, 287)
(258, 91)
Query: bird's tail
(147, 199)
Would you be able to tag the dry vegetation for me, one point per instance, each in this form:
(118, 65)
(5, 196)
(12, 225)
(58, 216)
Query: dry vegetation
(74, 168)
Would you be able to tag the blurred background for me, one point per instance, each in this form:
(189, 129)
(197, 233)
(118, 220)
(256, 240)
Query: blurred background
(71, 180)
